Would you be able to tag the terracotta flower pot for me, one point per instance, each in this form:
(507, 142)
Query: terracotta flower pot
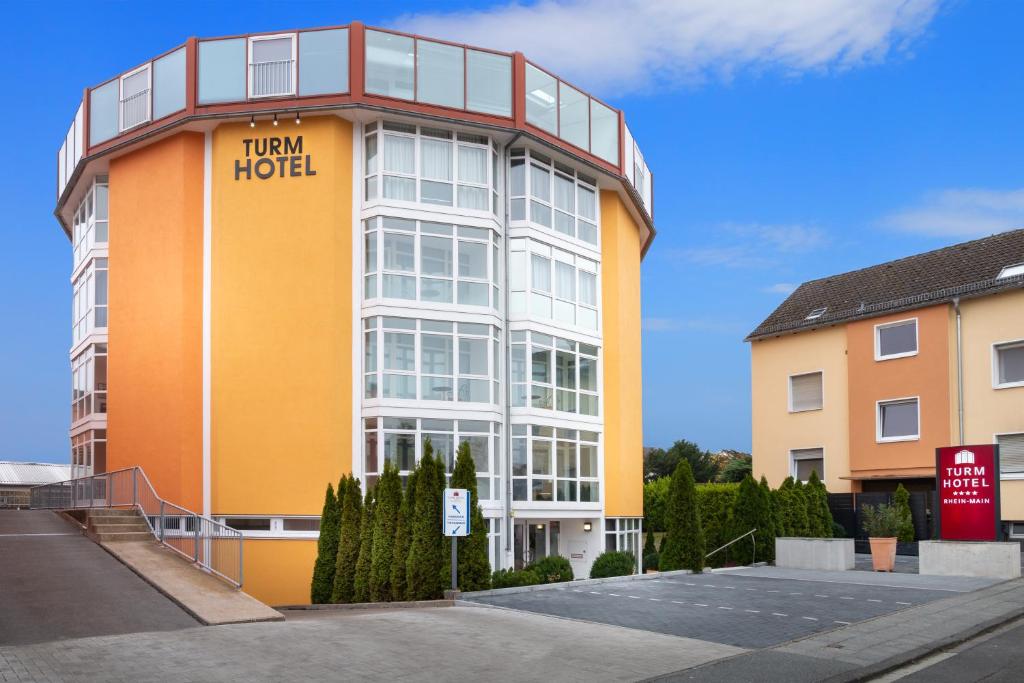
(883, 553)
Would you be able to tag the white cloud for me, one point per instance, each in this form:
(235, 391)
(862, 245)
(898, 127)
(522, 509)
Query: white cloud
(634, 45)
(970, 212)
(754, 245)
(786, 288)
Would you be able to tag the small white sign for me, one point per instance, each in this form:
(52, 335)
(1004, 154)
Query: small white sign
(456, 512)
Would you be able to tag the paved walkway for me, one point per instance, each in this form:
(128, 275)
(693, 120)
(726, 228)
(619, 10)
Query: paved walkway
(56, 584)
(454, 644)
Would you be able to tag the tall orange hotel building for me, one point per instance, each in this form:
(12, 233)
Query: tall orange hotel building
(301, 254)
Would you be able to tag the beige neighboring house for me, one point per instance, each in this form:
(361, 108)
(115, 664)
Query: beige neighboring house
(861, 376)
(16, 478)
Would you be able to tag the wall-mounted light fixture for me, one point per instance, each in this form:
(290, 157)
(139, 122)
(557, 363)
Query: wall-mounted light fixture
(297, 119)
(252, 121)
(540, 527)
(275, 119)
(587, 526)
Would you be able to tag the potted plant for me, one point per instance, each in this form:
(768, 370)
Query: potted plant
(882, 525)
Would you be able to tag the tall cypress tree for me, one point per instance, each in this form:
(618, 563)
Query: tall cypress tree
(326, 551)
(817, 507)
(798, 509)
(772, 529)
(385, 520)
(423, 574)
(361, 585)
(348, 544)
(684, 547)
(474, 565)
(403, 541)
(751, 511)
(901, 501)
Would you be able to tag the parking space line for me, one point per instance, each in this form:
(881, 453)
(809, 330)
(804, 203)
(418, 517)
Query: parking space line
(720, 607)
(779, 614)
(615, 595)
(678, 602)
(654, 599)
(709, 585)
(810, 618)
(750, 589)
(699, 604)
(845, 597)
(903, 603)
(796, 593)
(775, 591)
(633, 597)
(689, 584)
(844, 623)
(874, 600)
(821, 596)
(594, 593)
(753, 611)
(732, 588)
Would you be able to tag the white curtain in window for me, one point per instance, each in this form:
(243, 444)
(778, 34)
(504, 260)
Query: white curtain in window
(541, 268)
(472, 165)
(588, 288)
(565, 189)
(565, 281)
(587, 205)
(437, 159)
(540, 183)
(399, 154)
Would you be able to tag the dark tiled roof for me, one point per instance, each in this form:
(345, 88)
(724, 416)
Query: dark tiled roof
(965, 270)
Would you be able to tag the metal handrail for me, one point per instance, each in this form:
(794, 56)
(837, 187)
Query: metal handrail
(214, 547)
(738, 538)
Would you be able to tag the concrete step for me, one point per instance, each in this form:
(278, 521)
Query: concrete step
(114, 519)
(118, 528)
(115, 536)
(114, 512)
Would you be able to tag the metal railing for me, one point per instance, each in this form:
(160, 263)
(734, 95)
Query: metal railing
(753, 542)
(271, 78)
(215, 547)
(135, 109)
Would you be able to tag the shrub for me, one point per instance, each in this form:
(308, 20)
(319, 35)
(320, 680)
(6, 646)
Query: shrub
(715, 503)
(361, 584)
(685, 546)
(510, 578)
(649, 546)
(838, 530)
(385, 518)
(613, 563)
(651, 560)
(326, 551)
(736, 470)
(348, 544)
(474, 564)
(655, 498)
(880, 521)
(552, 569)
(901, 501)
(794, 507)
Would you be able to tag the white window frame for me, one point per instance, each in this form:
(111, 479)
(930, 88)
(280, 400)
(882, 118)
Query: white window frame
(249, 80)
(553, 477)
(878, 420)
(276, 527)
(580, 180)
(789, 389)
(793, 461)
(996, 347)
(147, 67)
(897, 323)
(1012, 476)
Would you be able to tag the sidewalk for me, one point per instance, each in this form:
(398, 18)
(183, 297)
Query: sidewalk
(871, 647)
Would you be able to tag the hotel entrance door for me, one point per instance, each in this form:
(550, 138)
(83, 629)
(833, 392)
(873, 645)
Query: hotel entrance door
(535, 540)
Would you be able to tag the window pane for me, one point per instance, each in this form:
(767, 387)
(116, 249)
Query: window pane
(518, 364)
(399, 252)
(439, 77)
(519, 490)
(489, 83)
(574, 119)
(474, 390)
(565, 370)
(389, 65)
(436, 290)
(399, 287)
(436, 161)
(323, 62)
(899, 419)
(541, 91)
(472, 259)
(588, 460)
(399, 351)
(897, 339)
(541, 367)
(400, 450)
(541, 273)
(518, 457)
(566, 455)
(587, 202)
(565, 281)
(222, 70)
(472, 165)
(588, 288)
(541, 457)
(436, 355)
(588, 374)
(473, 198)
(103, 105)
(478, 449)
(435, 193)
(517, 178)
(473, 357)
(473, 293)
(436, 256)
(542, 489)
(399, 154)
(806, 392)
(1011, 364)
(371, 352)
(437, 389)
(604, 132)
(805, 466)
(370, 265)
(399, 386)
(588, 405)
(169, 84)
(540, 183)
(589, 492)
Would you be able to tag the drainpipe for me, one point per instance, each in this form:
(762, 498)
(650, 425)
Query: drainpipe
(959, 370)
(507, 433)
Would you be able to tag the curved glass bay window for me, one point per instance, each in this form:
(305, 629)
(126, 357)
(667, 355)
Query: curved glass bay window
(432, 166)
(89, 382)
(400, 441)
(554, 465)
(551, 373)
(552, 195)
(431, 360)
(547, 283)
(89, 306)
(89, 224)
(430, 262)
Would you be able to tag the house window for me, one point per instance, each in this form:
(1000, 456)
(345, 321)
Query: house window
(271, 66)
(1011, 453)
(89, 301)
(551, 373)
(555, 465)
(1009, 364)
(548, 283)
(898, 420)
(803, 461)
(552, 196)
(896, 340)
(623, 534)
(135, 89)
(805, 392)
(89, 383)
(89, 224)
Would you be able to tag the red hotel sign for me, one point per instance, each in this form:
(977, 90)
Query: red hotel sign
(967, 478)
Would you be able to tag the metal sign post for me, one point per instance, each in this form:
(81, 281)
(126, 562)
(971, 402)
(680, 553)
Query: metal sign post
(456, 523)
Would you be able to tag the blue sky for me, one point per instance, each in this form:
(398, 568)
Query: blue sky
(787, 143)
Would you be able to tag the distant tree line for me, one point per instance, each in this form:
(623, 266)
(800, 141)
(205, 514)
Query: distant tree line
(707, 466)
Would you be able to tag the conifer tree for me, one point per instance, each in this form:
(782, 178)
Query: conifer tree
(348, 544)
(772, 530)
(403, 539)
(423, 574)
(798, 510)
(751, 511)
(474, 564)
(901, 501)
(444, 544)
(326, 550)
(817, 510)
(388, 493)
(649, 546)
(780, 510)
(361, 586)
(684, 548)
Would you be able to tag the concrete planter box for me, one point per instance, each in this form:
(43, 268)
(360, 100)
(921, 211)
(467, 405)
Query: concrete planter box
(830, 554)
(970, 558)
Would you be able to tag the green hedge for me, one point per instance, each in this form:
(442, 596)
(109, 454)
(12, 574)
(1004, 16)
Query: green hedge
(510, 578)
(715, 503)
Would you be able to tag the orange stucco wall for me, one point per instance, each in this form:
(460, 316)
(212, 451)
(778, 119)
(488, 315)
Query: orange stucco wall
(279, 571)
(623, 412)
(155, 320)
(925, 375)
(281, 331)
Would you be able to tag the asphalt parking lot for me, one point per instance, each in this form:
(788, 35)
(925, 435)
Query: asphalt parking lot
(746, 608)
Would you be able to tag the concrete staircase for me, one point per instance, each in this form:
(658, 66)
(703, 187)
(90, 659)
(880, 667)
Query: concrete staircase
(109, 525)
